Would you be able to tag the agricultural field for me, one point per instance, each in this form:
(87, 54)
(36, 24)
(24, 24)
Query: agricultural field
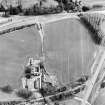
(66, 53)
(69, 52)
(15, 50)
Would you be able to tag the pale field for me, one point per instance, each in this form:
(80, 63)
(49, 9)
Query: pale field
(68, 54)
(68, 48)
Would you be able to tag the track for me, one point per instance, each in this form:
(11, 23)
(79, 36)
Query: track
(68, 94)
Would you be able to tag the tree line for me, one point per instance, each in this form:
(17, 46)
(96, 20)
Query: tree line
(63, 5)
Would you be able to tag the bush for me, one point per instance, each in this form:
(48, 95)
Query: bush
(47, 89)
(2, 8)
(24, 93)
(103, 85)
(7, 89)
(85, 8)
(15, 10)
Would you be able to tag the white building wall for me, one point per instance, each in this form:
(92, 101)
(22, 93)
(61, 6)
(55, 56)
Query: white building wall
(31, 83)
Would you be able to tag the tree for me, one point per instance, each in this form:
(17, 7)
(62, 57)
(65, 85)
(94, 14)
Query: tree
(24, 93)
(6, 89)
(2, 8)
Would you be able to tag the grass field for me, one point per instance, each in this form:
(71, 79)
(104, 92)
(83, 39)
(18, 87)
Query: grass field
(68, 48)
(15, 49)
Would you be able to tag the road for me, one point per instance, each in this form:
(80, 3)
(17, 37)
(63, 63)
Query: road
(17, 21)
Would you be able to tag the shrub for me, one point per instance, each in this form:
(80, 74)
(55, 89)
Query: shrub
(7, 89)
(24, 93)
(85, 8)
(103, 85)
(47, 89)
(2, 8)
(15, 10)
